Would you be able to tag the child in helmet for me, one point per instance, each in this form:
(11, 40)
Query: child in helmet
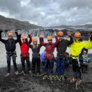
(50, 47)
(10, 45)
(24, 47)
(84, 60)
(35, 56)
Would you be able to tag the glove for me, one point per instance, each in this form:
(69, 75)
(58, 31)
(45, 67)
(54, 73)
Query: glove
(29, 35)
(91, 38)
(1, 31)
(16, 33)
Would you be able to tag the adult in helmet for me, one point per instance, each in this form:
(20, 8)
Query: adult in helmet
(24, 47)
(49, 48)
(35, 56)
(77, 35)
(10, 45)
(61, 49)
(75, 50)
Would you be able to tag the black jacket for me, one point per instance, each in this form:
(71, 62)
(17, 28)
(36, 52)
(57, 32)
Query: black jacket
(10, 45)
(35, 50)
(62, 46)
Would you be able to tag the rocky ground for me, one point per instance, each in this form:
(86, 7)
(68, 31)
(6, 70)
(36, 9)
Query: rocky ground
(29, 83)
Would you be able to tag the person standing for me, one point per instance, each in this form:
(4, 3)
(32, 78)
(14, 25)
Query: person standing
(61, 50)
(49, 48)
(75, 50)
(84, 60)
(10, 45)
(24, 47)
(35, 56)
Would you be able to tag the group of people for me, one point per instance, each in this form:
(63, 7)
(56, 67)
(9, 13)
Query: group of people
(78, 54)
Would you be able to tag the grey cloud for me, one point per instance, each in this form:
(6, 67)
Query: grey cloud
(49, 12)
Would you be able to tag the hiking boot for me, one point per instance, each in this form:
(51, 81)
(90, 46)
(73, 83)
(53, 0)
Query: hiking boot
(61, 77)
(8, 74)
(41, 74)
(58, 78)
(16, 73)
(23, 73)
(50, 77)
(54, 77)
(45, 77)
(34, 75)
(73, 80)
(38, 74)
(30, 72)
(78, 83)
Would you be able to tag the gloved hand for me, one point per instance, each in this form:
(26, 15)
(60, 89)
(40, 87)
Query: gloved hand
(91, 37)
(29, 35)
(1, 31)
(18, 33)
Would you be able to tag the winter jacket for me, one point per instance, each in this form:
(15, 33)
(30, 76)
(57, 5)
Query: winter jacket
(24, 46)
(35, 50)
(62, 46)
(49, 48)
(10, 45)
(77, 46)
(84, 59)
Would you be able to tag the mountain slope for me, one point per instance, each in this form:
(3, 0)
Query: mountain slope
(9, 23)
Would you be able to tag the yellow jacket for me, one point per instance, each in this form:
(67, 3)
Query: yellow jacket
(77, 46)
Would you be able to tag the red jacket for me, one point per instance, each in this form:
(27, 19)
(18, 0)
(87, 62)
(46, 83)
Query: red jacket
(50, 47)
(24, 47)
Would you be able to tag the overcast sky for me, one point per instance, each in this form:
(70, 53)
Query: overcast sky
(48, 12)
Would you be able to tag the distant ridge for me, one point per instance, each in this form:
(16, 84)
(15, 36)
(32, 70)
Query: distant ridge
(10, 23)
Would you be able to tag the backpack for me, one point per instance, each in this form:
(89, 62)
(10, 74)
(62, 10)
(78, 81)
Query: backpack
(43, 56)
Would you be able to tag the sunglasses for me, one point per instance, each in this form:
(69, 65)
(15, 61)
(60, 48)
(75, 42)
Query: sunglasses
(50, 40)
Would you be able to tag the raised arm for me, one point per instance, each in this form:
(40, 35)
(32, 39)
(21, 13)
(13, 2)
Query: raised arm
(56, 43)
(91, 37)
(88, 45)
(18, 38)
(71, 38)
(30, 38)
(42, 40)
(70, 41)
(29, 42)
(2, 40)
